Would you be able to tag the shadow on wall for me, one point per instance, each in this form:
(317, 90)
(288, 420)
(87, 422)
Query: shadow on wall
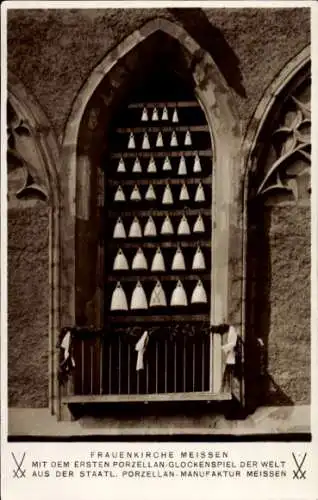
(212, 40)
(261, 388)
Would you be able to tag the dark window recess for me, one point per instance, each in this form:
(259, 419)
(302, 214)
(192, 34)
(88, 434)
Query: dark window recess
(158, 185)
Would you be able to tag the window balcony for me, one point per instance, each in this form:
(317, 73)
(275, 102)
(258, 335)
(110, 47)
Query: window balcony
(103, 366)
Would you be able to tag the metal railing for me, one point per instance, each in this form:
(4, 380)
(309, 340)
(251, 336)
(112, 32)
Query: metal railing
(105, 364)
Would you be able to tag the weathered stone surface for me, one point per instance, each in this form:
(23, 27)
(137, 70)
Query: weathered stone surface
(289, 297)
(28, 306)
(54, 51)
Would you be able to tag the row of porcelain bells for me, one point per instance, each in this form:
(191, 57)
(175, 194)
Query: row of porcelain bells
(158, 297)
(150, 229)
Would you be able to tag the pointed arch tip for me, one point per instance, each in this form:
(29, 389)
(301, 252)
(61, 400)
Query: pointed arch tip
(126, 45)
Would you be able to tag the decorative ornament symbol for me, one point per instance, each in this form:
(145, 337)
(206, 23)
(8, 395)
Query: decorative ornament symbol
(174, 140)
(167, 227)
(178, 263)
(197, 164)
(179, 297)
(119, 229)
(167, 198)
(167, 164)
(144, 116)
(182, 170)
(135, 194)
(158, 263)
(139, 261)
(137, 166)
(199, 294)
(135, 229)
(152, 166)
(131, 141)
(199, 225)
(145, 142)
(165, 114)
(118, 300)
(184, 194)
(159, 141)
(150, 193)
(150, 227)
(119, 195)
(184, 227)
(18, 473)
(158, 296)
(175, 117)
(198, 262)
(138, 298)
(121, 166)
(199, 194)
(120, 262)
(155, 116)
(187, 139)
(299, 473)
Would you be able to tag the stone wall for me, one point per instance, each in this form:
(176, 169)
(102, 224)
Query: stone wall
(288, 337)
(28, 306)
(54, 51)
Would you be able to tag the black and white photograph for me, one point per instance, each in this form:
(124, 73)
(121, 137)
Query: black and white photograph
(158, 229)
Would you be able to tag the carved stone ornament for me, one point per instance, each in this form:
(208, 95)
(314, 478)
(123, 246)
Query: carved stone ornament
(26, 175)
(288, 164)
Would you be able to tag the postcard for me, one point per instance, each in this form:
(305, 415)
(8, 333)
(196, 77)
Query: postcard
(159, 250)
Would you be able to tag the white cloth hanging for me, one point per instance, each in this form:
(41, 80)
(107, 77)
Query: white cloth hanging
(140, 347)
(229, 347)
(66, 345)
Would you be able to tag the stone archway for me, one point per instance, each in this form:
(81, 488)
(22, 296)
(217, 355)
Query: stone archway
(99, 96)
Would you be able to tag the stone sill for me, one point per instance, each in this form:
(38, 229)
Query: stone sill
(265, 420)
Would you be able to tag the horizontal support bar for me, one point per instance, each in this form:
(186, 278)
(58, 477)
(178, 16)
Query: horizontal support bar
(160, 213)
(148, 275)
(168, 104)
(206, 181)
(155, 154)
(177, 128)
(203, 240)
(184, 318)
(134, 398)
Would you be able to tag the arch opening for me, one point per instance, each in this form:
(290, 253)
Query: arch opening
(177, 64)
(157, 70)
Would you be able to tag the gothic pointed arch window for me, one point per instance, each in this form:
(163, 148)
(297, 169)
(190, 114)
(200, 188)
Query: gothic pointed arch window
(146, 148)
